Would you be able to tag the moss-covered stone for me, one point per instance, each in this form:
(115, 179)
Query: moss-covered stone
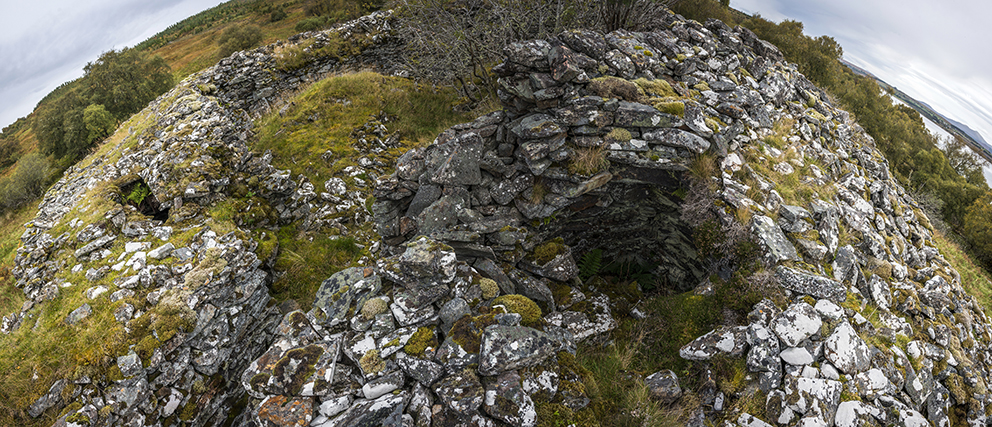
(259, 380)
(467, 331)
(613, 87)
(489, 288)
(547, 251)
(371, 363)
(525, 307)
(619, 134)
(373, 307)
(657, 87)
(553, 414)
(676, 108)
(420, 341)
(296, 367)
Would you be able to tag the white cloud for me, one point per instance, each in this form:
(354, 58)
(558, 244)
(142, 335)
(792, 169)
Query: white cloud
(45, 43)
(931, 50)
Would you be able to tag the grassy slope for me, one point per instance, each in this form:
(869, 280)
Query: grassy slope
(45, 347)
(417, 114)
(195, 48)
(53, 350)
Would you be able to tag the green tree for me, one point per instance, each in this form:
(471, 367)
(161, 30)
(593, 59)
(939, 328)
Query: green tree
(978, 228)
(26, 183)
(963, 160)
(125, 81)
(99, 123)
(277, 14)
(239, 37)
(50, 121)
(122, 82)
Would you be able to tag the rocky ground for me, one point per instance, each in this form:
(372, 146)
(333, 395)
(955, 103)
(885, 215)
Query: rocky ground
(472, 309)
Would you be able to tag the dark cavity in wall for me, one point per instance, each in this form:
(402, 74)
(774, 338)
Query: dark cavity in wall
(635, 221)
(137, 194)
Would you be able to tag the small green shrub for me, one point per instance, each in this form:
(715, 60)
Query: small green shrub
(590, 263)
(311, 24)
(278, 14)
(138, 193)
(26, 183)
(239, 37)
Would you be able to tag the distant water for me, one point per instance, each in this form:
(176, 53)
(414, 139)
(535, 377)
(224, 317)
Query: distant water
(941, 134)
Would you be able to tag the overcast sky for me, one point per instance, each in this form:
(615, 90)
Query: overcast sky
(937, 52)
(44, 43)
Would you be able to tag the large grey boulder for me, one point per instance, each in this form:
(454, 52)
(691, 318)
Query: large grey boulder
(777, 246)
(846, 350)
(810, 284)
(507, 348)
(795, 324)
(727, 340)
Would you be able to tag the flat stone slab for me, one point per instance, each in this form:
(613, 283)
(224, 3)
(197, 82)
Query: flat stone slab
(506, 348)
(811, 284)
(796, 323)
(726, 340)
(846, 350)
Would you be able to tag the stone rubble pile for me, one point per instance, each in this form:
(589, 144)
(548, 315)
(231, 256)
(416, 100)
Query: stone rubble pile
(472, 313)
(418, 339)
(878, 330)
(201, 296)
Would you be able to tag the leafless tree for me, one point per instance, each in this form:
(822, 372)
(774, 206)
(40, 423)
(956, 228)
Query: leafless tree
(459, 41)
(633, 15)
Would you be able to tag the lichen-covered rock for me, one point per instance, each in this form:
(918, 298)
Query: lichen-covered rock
(387, 410)
(846, 350)
(664, 386)
(337, 293)
(284, 411)
(778, 247)
(506, 348)
(506, 401)
(461, 392)
(795, 324)
(730, 341)
(810, 284)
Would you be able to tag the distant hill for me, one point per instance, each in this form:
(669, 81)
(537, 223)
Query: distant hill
(954, 127)
(858, 70)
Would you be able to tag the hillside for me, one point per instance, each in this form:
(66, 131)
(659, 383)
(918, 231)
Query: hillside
(185, 47)
(672, 226)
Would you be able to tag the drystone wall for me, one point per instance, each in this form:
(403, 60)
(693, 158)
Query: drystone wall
(472, 313)
(475, 317)
(190, 297)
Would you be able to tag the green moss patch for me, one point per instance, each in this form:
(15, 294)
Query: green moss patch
(547, 251)
(420, 341)
(525, 307)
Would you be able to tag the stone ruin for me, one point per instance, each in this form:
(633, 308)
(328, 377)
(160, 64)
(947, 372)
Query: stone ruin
(472, 311)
